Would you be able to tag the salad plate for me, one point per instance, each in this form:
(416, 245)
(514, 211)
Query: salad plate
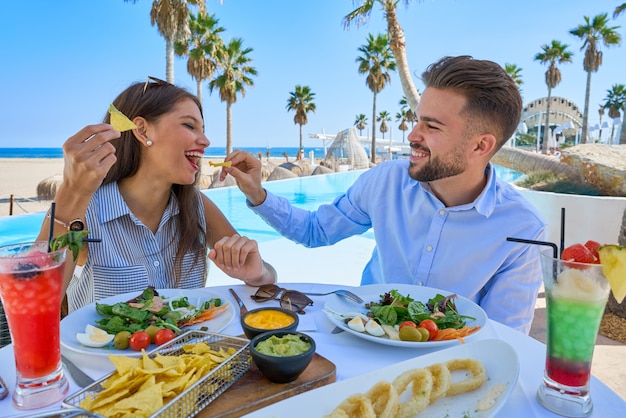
(372, 293)
(497, 357)
(76, 321)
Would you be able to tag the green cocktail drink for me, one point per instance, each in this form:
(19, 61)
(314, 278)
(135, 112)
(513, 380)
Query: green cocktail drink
(576, 294)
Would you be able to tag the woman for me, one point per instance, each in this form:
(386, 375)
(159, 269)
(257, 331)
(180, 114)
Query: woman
(136, 192)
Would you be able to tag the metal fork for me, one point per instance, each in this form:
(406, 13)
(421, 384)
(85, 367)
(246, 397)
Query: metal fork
(341, 292)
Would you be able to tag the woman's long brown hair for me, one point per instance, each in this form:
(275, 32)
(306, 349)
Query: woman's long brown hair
(150, 101)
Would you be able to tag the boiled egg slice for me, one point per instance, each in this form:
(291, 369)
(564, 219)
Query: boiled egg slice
(372, 327)
(94, 337)
(356, 324)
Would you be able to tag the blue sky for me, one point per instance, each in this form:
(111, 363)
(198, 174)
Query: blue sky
(65, 61)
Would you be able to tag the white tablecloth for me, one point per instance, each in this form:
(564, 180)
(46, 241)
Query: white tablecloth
(354, 356)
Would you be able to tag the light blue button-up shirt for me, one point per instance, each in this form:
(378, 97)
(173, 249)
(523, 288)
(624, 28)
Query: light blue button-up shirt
(461, 249)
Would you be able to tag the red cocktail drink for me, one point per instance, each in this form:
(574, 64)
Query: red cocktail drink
(576, 294)
(31, 290)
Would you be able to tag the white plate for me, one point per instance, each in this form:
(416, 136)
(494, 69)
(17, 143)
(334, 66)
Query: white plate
(498, 357)
(371, 293)
(76, 321)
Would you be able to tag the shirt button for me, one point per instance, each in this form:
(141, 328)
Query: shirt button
(420, 283)
(156, 264)
(442, 212)
(429, 248)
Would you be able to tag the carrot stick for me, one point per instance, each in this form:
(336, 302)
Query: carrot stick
(206, 315)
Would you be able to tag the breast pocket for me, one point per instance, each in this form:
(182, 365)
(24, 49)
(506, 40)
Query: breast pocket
(110, 281)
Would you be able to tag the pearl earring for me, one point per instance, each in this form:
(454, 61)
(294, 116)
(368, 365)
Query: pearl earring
(149, 143)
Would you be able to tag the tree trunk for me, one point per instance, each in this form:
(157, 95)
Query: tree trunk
(397, 43)
(373, 149)
(300, 137)
(546, 129)
(585, 130)
(169, 61)
(199, 89)
(529, 162)
(618, 309)
(229, 128)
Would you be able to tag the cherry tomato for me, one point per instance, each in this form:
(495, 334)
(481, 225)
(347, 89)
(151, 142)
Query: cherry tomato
(139, 340)
(163, 335)
(430, 326)
(407, 324)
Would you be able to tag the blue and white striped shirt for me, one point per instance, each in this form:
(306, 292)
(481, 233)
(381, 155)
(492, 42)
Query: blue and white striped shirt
(130, 257)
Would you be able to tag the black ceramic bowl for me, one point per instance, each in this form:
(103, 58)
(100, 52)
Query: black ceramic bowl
(252, 332)
(281, 369)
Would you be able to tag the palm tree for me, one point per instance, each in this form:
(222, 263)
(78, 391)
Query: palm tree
(555, 53)
(515, 73)
(235, 75)
(383, 118)
(397, 40)
(592, 33)
(172, 20)
(202, 47)
(600, 113)
(301, 100)
(615, 102)
(376, 62)
(619, 9)
(360, 122)
(401, 117)
(409, 113)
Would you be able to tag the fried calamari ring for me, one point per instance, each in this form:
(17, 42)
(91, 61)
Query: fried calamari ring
(384, 398)
(441, 381)
(355, 406)
(422, 386)
(479, 376)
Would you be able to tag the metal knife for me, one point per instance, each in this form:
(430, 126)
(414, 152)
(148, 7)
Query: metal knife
(242, 307)
(81, 378)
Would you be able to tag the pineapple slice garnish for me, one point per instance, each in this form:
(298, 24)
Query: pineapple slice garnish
(119, 120)
(613, 260)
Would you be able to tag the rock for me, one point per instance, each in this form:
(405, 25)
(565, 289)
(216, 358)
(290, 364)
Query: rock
(320, 169)
(281, 173)
(603, 166)
(228, 181)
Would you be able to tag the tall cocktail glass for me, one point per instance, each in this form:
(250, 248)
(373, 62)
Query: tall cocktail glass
(576, 294)
(31, 281)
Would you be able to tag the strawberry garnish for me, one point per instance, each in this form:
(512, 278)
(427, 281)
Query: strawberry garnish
(593, 247)
(578, 253)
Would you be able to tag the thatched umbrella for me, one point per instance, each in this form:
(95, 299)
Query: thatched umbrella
(47, 188)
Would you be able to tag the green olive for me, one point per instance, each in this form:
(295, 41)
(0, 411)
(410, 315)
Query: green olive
(151, 331)
(410, 334)
(424, 332)
(121, 340)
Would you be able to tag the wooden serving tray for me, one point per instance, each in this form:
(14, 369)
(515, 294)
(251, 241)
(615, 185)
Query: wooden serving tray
(253, 391)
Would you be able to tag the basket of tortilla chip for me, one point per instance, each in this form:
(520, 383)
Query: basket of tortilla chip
(178, 379)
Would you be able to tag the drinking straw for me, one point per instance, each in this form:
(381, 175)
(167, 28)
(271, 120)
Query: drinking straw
(51, 233)
(555, 249)
(562, 231)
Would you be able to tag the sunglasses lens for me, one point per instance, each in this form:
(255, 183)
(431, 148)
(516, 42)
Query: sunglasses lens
(266, 292)
(295, 301)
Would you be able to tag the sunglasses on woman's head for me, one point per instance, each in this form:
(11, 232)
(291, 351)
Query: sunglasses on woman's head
(153, 81)
(291, 300)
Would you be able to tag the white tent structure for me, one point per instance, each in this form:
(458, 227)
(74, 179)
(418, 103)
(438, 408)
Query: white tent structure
(346, 150)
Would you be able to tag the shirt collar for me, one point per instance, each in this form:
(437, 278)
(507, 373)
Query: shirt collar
(485, 203)
(117, 207)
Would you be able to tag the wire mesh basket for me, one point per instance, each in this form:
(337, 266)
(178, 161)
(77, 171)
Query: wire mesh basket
(198, 396)
(5, 336)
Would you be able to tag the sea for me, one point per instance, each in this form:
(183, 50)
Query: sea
(211, 152)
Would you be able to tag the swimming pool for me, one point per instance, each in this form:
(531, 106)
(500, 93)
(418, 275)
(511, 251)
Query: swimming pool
(305, 192)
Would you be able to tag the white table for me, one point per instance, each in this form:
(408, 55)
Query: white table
(354, 356)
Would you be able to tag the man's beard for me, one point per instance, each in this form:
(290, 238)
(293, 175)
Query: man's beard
(437, 168)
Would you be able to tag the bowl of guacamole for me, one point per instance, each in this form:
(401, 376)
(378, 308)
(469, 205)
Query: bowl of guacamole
(282, 356)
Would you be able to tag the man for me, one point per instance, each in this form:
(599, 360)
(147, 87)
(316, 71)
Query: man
(441, 218)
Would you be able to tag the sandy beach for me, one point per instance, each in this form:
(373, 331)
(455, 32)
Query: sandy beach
(20, 177)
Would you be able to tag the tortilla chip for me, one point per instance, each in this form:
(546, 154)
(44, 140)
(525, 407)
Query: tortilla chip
(120, 121)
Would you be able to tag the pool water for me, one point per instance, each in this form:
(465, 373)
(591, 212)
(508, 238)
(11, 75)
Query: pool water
(304, 192)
